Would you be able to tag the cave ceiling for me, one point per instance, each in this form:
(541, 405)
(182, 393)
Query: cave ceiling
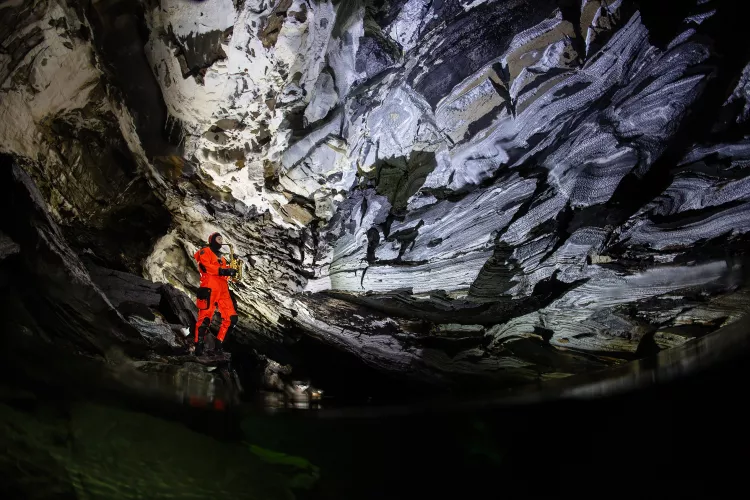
(455, 189)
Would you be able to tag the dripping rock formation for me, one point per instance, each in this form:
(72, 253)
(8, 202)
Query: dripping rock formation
(452, 193)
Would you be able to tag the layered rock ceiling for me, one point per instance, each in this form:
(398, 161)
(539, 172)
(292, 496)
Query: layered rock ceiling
(454, 190)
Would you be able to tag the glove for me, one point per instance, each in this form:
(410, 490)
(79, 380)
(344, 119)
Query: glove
(225, 271)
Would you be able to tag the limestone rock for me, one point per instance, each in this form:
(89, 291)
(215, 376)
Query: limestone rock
(451, 191)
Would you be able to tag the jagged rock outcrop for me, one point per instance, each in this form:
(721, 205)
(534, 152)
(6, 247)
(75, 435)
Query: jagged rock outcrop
(453, 191)
(52, 300)
(61, 114)
(50, 278)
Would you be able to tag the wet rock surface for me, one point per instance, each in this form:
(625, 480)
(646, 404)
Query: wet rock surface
(457, 192)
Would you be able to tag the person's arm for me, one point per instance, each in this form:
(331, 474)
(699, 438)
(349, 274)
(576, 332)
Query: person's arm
(225, 270)
(209, 265)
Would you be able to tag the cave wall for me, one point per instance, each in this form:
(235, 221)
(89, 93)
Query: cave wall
(445, 189)
(540, 187)
(71, 326)
(47, 292)
(66, 122)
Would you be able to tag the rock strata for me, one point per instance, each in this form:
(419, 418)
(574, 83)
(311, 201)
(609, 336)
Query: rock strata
(453, 192)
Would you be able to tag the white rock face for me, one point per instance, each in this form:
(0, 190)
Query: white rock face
(524, 170)
(187, 18)
(323, 100)
(60, 78)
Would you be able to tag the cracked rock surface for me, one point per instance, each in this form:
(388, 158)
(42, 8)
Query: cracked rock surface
(464, 191)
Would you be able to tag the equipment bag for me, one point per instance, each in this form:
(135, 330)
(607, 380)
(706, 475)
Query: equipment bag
(203, 298)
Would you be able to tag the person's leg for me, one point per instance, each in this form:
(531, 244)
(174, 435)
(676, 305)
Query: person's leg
(228, 317)
(201, 327)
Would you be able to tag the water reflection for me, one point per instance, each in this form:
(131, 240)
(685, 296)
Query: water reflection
(667, 365)
(692, 357)
(217, 388)
(213, 385)
(296, 395)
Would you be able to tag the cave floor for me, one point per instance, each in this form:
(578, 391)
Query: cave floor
(619, 432)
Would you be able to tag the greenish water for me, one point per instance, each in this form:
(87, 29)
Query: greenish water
(88, 450)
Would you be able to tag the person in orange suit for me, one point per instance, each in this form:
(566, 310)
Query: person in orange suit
(213, 292)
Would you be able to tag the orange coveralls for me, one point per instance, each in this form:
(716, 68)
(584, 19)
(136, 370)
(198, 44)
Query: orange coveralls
(217, 295)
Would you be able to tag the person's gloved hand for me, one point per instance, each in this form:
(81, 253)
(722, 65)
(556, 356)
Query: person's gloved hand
(225, 271)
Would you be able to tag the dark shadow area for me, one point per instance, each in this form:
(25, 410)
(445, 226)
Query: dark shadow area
(673, 425)
(348, 380)
(120, 34)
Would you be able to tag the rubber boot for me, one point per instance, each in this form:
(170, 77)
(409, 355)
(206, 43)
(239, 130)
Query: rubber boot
(200, 347)
(218, 346)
